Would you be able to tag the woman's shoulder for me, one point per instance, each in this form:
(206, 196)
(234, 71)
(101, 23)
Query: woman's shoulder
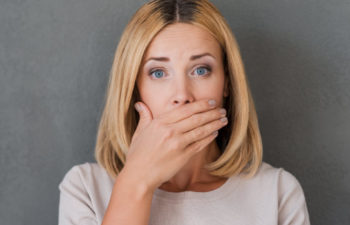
(270, 177)
(269, 170)
(279, 178)
(85, 170)
(88, 174)
(84, 194)
(283, 186)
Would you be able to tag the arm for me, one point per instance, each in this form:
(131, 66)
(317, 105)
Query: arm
(130, 202)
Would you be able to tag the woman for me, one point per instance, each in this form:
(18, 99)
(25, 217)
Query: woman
(191, 152)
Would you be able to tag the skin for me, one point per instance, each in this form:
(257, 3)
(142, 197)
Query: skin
(166, 84)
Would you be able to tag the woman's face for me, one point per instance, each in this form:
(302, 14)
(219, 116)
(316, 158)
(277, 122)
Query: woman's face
(182, 64)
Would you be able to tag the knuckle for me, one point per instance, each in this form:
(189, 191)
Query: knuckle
(199, 132)
(192, 136)
(175, 144)
(169, 132)
(195, 146)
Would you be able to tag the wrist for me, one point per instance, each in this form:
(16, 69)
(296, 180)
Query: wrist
(135, 183)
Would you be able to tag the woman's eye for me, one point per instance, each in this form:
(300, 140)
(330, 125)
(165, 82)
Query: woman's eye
(157, 73)
(202, 70)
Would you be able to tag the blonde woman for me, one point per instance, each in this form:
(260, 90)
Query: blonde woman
(178, 141)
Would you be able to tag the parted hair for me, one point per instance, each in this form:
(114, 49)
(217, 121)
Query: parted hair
(239, 141)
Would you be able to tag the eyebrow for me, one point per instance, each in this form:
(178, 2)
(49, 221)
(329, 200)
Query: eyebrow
(194, 57)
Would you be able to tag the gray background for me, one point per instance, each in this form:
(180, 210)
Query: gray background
(55, 57)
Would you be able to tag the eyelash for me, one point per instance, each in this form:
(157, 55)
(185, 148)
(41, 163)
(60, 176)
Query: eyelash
(205, 67)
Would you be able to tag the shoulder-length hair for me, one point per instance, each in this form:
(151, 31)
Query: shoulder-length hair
(239, 141)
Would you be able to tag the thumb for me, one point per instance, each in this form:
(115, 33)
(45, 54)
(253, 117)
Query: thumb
(145, 114)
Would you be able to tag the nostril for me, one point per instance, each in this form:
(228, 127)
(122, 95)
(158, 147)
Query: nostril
(179, 101)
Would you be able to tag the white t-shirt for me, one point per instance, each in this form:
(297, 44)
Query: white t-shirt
(272, 197)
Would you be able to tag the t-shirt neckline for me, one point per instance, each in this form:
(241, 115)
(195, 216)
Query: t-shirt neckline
(212, 195)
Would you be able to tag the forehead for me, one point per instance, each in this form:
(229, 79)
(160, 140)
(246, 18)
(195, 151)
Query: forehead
(183, 39)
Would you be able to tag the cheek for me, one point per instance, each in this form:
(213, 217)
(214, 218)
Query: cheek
(213, 89)
(150, 96)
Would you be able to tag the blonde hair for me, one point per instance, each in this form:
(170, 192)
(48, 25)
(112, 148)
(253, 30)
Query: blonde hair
(239, 142)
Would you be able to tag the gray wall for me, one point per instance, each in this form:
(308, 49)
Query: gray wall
(54, 62)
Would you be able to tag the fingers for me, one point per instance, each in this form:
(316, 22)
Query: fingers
(203, 131)
(199, 119)
(197, 146)
(187, 110)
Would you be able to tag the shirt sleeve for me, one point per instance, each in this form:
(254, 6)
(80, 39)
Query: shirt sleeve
(75, 206)
(292, 208)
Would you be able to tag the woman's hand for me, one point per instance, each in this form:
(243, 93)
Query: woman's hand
(161, 146)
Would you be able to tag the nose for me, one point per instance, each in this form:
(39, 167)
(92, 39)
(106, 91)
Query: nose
(183, 91)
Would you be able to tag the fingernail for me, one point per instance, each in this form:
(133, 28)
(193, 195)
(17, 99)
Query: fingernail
(224, 119)
(138, 107)
(223, 111)
(212, 102)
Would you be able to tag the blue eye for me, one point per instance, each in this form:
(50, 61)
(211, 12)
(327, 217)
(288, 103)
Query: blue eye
(201, 70)
(157, 73)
